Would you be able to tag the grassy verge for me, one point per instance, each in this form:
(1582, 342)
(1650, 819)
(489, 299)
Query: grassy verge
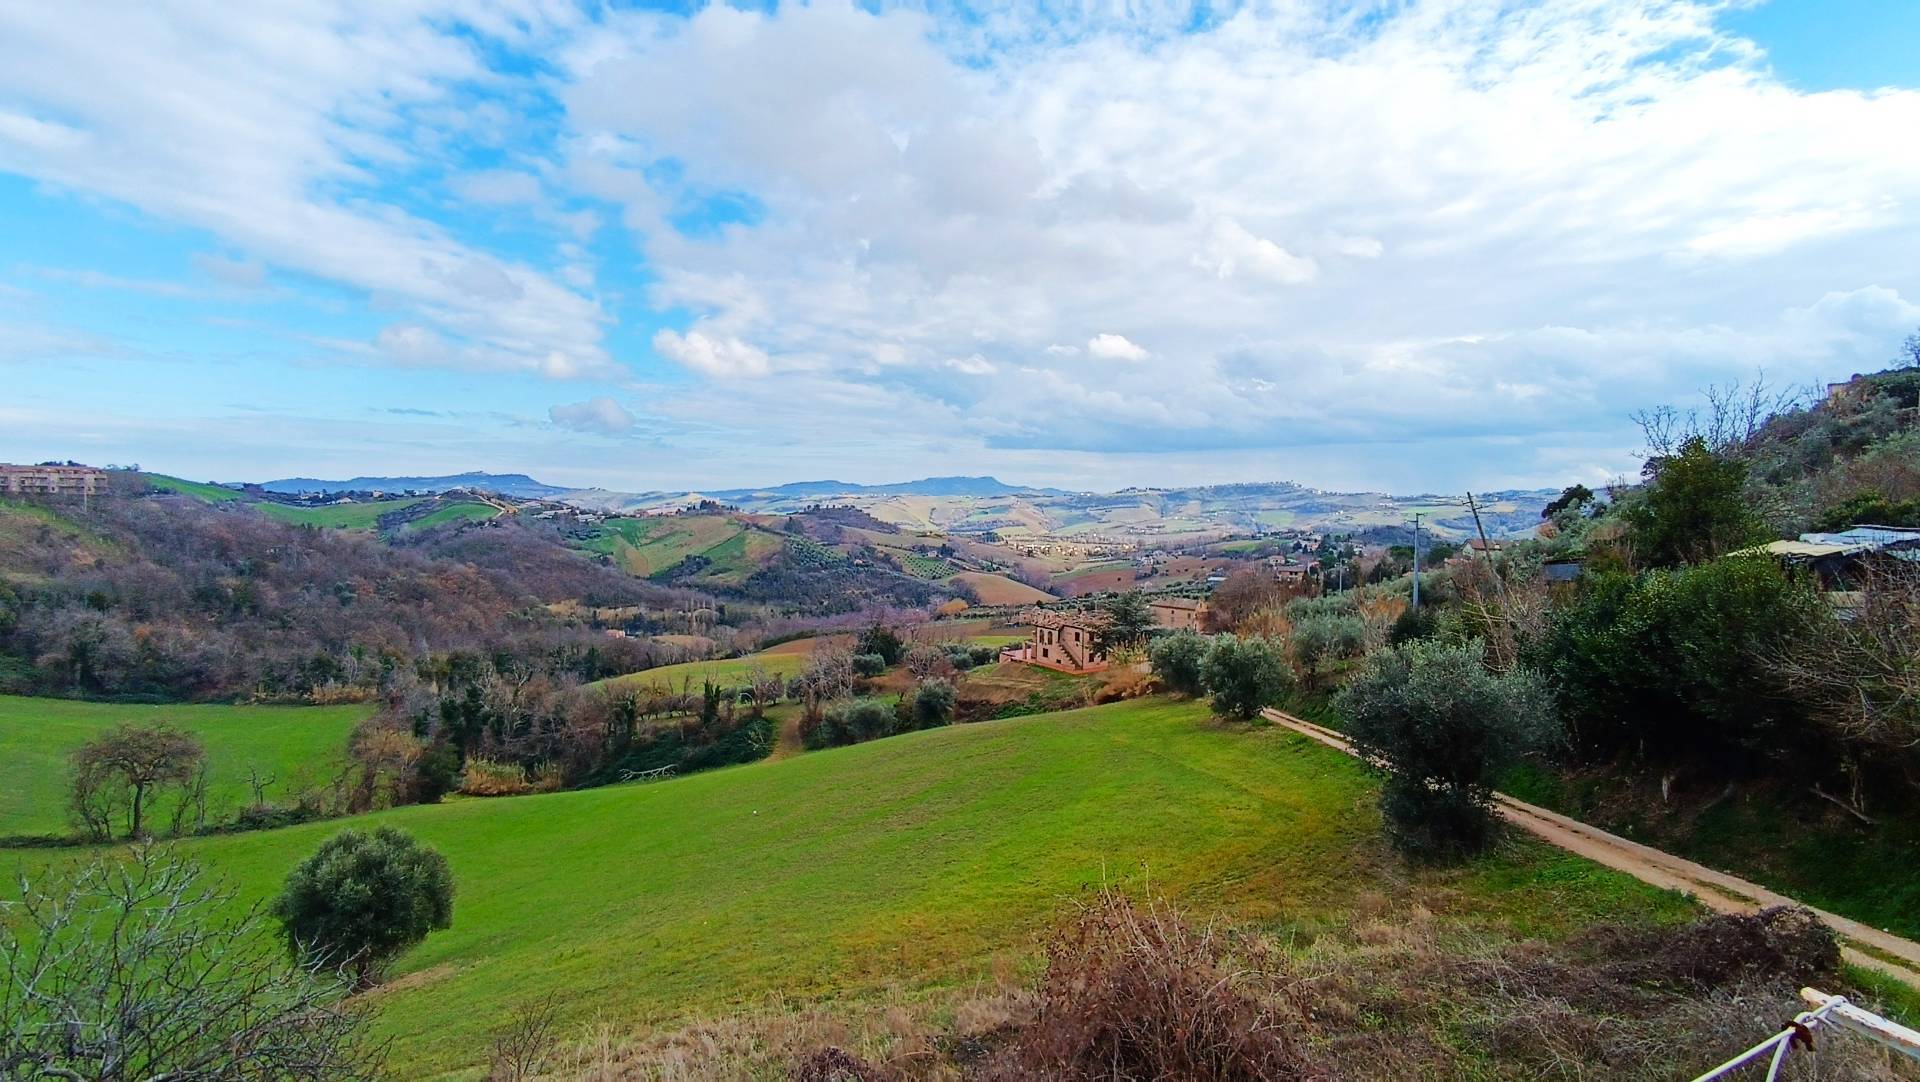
(1786, 840)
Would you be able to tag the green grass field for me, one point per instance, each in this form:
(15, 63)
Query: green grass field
(453, 512)
(732, 670)
(36, 736)
(343, 516)
(910, 864)
(199, 490)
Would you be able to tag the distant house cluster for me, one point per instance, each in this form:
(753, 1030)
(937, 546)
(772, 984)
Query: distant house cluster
(1288, 573)
(52, 481)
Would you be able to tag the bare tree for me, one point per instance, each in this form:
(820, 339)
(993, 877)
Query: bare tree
(1735, 414)
(137, 969)
(122, 768)
(1859, 674)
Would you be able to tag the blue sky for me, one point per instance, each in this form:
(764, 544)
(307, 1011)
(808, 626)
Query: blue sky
(1426, 245)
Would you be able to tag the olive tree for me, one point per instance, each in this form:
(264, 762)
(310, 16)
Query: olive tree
(361, 899)
(141, 968)
(1441, 728)
(933, 703)
(1177, 660)
(1244, 676)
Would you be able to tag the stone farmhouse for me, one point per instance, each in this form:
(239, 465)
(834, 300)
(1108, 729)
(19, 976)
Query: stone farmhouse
(1178, 613)
(1061, 640)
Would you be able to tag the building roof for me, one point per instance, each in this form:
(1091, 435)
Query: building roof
(1903, 544)
(1871, 536)
(1042, 618)
(1187, 603)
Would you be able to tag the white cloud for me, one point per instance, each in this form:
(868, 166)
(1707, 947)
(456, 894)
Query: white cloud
(239, 273)
(722, 356)
(1333, 231)
(271, 126)
(498, 188)
(975, 365)
(1115, 347)
(1232, 251)
(1372, 230)
(600, 414)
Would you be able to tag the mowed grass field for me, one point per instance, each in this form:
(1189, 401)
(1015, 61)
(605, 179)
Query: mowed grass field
(197, 489)
(910, 865)
(341, 516)
(725, 671)
(37, 735)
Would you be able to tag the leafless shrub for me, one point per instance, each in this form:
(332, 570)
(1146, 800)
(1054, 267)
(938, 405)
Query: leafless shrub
(1503, 604)
(524, 1042)
(139, 970)
(487, 777)
(1859, 673)
(1133, 993)
(832, 1064)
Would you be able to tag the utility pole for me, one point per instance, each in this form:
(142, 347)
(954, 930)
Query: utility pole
(1416, 560)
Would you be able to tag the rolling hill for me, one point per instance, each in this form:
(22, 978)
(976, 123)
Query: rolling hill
(921, 863)
(504, 484)
(984, 505)
(978, 505)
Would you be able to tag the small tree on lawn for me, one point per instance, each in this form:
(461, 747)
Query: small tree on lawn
(124, 769)
(1177, 660)
(1244, 675)
(361, 899)
(1441, 728)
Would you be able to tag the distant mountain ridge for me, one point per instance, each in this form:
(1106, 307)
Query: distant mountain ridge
(979, 487)
(983, 504)
(505, 484)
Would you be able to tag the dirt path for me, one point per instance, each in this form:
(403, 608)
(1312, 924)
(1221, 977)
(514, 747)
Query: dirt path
(1861, 944)
(787, 744)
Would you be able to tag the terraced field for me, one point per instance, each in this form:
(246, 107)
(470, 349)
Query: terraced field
(650, 545)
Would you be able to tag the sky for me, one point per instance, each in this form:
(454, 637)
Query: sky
(1418, 245)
